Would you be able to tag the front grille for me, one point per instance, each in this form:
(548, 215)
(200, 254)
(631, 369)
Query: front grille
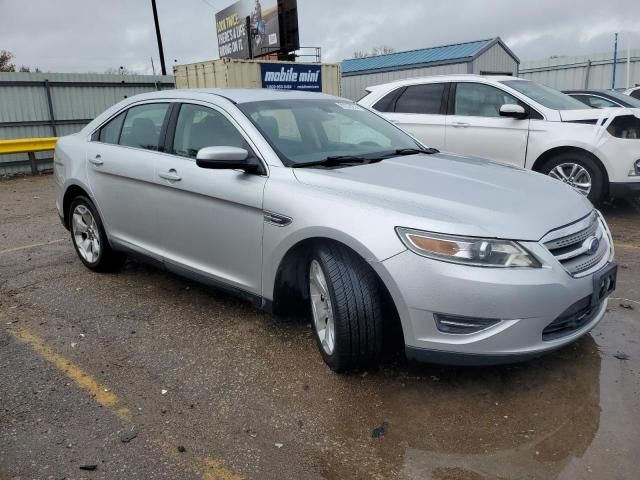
(572, 319)
(572, 246)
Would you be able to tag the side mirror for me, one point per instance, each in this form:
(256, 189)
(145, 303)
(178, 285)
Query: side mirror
(227, 158)
(512, 110)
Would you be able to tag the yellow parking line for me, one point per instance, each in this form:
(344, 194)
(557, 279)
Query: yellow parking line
(212, 468)
(103, 395)
(626, 245)
(35, 245)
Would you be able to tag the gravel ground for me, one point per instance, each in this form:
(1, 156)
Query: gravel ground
(143, 374)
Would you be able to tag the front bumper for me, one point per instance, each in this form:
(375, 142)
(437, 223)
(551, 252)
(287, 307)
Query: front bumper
(525, 300)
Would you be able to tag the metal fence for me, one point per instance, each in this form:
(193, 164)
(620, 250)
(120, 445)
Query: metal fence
(56, 104)
(587, 71)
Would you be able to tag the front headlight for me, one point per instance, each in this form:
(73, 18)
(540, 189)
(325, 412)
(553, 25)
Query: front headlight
(479, 252)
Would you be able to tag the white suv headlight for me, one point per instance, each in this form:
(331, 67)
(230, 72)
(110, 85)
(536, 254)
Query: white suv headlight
(479, 252)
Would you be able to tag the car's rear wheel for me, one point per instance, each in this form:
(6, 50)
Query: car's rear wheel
(89, 237)
(346, 307)
(580, 172)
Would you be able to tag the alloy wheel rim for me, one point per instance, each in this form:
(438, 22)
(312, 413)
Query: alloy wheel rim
(85, 233)
(323, 318)
(573, 175)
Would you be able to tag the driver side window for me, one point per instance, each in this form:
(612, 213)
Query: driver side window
(198, 127)
(480, 100)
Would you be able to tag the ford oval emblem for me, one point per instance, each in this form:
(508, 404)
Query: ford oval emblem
(592, 244)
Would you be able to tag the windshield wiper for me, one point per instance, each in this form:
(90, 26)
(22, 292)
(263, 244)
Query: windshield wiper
(333, 161)
(345, 159)
(412, 151)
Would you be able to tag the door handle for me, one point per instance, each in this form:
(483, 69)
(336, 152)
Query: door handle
(171, 175)
(97, 160)
(459, 124)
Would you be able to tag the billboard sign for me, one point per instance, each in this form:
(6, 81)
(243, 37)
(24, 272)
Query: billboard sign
(287, 76)
(231, 27)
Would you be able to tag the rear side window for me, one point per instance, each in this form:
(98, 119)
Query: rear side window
(142, 125)
(424, 99)
(385, 104)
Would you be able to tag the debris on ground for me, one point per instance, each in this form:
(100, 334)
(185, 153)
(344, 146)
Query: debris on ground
(251, 433)
(380, 431)
(163, 391)
(621, 356)
(126, 437)
(279, 445)
(627, 306)
(89, 466)
(181, 449)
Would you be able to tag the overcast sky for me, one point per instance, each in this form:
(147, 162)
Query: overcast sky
(94, 35)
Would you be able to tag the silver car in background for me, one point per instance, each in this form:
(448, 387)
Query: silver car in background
(308, 202)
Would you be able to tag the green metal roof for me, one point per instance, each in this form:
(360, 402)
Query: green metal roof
(425, 56)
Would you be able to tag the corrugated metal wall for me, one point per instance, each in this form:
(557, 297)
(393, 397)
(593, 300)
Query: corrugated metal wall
(586, 71)
(353, 86)
(76, 98)
(495, 60)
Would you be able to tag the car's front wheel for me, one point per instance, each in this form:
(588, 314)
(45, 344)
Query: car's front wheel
(89, 237)
(580, 172)
(346, 307)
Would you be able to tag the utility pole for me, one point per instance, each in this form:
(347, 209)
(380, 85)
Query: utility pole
(249, 36)
(158, 36)
(615, 63)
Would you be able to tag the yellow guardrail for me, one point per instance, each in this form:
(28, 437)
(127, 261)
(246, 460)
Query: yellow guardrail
(27, 145)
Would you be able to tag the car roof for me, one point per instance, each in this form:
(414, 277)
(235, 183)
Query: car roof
(236, 95)
(449, 78)
(588, 90)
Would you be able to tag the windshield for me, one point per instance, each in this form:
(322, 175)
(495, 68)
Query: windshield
(545, 96)
(634, 102)
(303, 131)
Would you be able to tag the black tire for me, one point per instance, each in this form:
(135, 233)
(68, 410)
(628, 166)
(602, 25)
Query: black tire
(356, 300)
(108, 260)
(598, 178)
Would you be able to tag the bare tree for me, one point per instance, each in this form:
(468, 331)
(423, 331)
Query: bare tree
(383, 50)
(119, 71)
(5, 61)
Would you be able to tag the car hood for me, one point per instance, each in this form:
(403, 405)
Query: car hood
(449, 193)
(595, 113)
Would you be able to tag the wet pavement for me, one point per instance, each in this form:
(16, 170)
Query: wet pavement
(215, 389)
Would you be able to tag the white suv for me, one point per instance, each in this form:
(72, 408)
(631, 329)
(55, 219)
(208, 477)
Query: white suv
(521, 122)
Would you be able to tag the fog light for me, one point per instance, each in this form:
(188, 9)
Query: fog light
(460, 325)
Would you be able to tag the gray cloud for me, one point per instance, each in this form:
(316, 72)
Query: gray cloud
(93, 35)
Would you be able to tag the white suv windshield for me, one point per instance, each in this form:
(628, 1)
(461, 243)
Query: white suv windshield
(544, 95)
(303, 131)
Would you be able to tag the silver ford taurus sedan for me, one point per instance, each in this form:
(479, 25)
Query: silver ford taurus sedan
(308, 202)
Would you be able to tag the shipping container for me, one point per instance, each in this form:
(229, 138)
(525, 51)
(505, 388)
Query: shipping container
(234, 73)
